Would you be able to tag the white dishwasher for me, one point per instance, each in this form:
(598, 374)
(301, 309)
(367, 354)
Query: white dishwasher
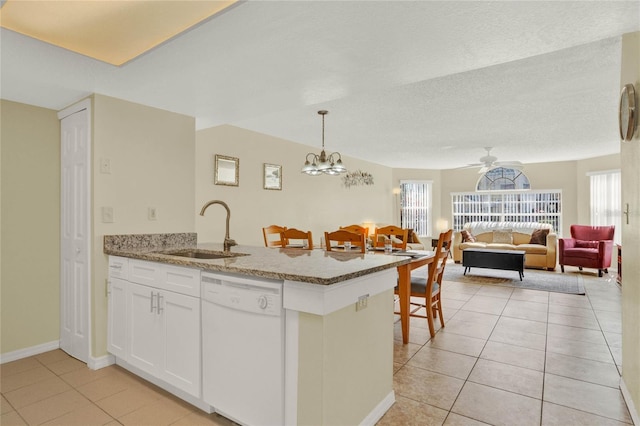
(243, 348)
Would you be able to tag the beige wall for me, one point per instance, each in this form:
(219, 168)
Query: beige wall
(630, 155)
(152, 154)
(345, 345)
(315, 203)
(30, 227)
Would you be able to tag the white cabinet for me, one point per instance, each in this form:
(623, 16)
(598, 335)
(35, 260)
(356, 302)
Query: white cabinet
(117, 317)
(117, 306)
(144, 328)
(161, 317)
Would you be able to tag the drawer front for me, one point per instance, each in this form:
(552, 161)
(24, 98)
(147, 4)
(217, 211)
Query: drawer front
(181, 280)
(146, 273)
(118, 267)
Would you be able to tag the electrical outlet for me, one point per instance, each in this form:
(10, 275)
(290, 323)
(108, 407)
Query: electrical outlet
(152, 213)
(362, 302)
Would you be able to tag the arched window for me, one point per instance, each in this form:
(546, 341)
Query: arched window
(501, 179)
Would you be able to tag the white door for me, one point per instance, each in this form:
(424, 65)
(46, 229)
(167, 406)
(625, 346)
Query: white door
(145, 328)
(74, 234)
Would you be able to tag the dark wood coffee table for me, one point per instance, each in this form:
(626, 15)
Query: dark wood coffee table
(507, 260)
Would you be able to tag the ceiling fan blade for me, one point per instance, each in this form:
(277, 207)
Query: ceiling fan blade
(509, 164)
(471, 166)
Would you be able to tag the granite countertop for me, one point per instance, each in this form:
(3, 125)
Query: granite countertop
(311, 266)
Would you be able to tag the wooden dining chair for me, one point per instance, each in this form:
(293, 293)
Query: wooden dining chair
(429, 288)
(268, 233)
(357, 229)
(290, 234)
(398, 237)
(340, 236)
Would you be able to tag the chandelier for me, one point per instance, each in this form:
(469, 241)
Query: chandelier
(328, 164)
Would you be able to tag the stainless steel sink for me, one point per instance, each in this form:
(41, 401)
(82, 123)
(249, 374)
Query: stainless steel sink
(202, 254)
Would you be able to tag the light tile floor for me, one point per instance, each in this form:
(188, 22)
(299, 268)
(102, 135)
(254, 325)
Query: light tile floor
(55, 389)
(514, 357)
(505, 357)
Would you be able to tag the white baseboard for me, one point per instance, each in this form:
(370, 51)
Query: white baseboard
(101, 362)
(27, 352)
(630, 405)
(376, 414)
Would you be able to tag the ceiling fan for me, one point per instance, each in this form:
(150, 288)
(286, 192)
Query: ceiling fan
(489, 162)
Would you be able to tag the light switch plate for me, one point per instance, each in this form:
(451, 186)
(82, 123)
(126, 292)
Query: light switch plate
(152, 213)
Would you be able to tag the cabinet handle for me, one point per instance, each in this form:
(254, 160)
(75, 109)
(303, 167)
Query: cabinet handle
(160, 308)
(152, 297)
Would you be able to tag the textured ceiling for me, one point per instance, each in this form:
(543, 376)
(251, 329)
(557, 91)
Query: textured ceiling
(408, 84)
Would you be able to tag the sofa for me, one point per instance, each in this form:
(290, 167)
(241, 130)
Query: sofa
(540, 252)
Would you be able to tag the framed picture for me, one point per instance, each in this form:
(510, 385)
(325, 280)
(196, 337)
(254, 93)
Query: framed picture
(226, 170)
(272, 176)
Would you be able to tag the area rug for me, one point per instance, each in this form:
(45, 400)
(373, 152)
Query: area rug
(533, 279)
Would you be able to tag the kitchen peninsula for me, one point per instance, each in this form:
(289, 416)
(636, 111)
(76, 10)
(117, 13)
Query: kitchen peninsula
(336, 351)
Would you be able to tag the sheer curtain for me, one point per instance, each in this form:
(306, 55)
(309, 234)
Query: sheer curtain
(606, 200)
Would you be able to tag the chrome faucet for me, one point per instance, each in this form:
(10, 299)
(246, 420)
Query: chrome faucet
(228, 242)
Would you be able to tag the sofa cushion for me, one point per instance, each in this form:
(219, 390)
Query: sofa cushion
(583, 253)
(473, 245)
(586, 244)
(502, 236)
(467, 236)
(539, 236)
(502, 246)
(532, 248)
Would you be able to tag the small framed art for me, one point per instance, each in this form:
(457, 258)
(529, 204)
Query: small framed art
(272, 176)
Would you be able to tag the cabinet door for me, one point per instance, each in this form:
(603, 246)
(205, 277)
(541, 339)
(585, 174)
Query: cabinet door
(181, 341)
(145, 328)
(117, 317)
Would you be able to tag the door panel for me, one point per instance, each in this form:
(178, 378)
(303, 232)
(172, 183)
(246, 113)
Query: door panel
(74, 235)
(144, 331)
(181, 341)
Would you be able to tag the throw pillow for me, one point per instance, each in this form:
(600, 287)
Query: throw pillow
(502, 236)
(409, 236)
(413, 238)
(539, 236)
(586, 244)
(467, 237)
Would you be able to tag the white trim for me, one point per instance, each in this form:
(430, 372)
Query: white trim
(77, 107)
(30, 351)
(101, 362)
(603, 172)
(383, 406)
(291, 348)
(630, 405)
(325, 299)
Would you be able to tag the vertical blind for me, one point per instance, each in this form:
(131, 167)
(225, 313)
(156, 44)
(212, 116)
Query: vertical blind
(606, 200)
(415, 206)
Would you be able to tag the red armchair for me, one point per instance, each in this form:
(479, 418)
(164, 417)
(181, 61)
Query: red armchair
(588, 247)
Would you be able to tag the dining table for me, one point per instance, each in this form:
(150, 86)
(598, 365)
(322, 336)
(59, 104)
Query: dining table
(419, 258)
